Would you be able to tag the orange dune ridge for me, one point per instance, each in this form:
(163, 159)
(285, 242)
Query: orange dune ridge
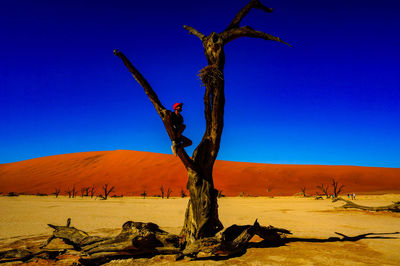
(132, 172)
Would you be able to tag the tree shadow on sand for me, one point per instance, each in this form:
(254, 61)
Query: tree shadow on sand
(343, 238)
(283, 242)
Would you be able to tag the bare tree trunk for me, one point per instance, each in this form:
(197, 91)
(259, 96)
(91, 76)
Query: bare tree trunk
(201, 219)
(162, 191)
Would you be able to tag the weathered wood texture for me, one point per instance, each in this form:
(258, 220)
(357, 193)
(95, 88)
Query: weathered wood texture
(395, 207)
(138, 239)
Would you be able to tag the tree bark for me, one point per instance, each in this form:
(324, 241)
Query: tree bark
(138, 239)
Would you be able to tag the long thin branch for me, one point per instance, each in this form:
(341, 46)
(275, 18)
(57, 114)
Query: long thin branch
(247, 31)
(143, 82)
(244, 11)
(194, 32)
(161, 110)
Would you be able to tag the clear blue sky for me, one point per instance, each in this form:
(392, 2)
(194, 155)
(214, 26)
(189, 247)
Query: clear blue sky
(333, 98)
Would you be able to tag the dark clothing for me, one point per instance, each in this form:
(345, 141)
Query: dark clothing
(176, 120)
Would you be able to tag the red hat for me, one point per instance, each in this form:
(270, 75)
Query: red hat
(177, 104)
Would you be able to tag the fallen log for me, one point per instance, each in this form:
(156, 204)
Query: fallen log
(395, 207)
(138, 240)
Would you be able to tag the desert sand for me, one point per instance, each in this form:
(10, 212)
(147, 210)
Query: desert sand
(132, 172)
(311, 221)
(24, 219)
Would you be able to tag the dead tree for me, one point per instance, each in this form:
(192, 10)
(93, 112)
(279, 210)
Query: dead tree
(162, 191)
(92, 191)
(86, 191)
(395, 207)
(169, 191)
(69, 191)
(107, 191)
(74, 191)
(303, 191)
(57, 192)
(183, 193)
(144, 194)
(201, 218)
(336, 188)
(324, 190)
(82, 192)
(220, 195)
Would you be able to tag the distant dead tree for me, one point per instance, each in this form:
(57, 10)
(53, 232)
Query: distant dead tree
(74, 192)
(92, 190)
(144, 194)
(169, 191)
(324, 190)
(303, 191)
(162, 191)
(183, 193)
(82, 192)
(336, 188)
(107, 191)
(220, 195)
(57, 192)
(86, 191)
(69, 191)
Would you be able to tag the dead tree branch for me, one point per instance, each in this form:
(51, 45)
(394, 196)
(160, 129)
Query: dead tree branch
(244, 11)
(395, 207)
(164, 114)
(194, 32)
(247, 31)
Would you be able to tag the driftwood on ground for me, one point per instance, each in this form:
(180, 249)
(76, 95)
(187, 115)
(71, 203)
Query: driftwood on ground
(138, 239)
(395, 207)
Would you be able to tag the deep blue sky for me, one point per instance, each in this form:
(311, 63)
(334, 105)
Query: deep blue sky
(333, 98)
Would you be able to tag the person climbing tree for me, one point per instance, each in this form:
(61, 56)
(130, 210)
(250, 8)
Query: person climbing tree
(201, 216)
(178, 128)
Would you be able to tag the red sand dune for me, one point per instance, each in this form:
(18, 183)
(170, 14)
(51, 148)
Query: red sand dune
(132, 172)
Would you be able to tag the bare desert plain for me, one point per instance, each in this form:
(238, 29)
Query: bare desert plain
(24, 220)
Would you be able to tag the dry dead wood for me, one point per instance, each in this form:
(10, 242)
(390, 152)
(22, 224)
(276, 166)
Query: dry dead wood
(395, 207)
(138, 239)
(233, 241)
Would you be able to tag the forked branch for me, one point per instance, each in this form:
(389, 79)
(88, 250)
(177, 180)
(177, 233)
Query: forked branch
(244, 11)
(247, 31)
(194, 32)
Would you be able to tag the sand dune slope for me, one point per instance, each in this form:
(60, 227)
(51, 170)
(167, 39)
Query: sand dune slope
(132, 172)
